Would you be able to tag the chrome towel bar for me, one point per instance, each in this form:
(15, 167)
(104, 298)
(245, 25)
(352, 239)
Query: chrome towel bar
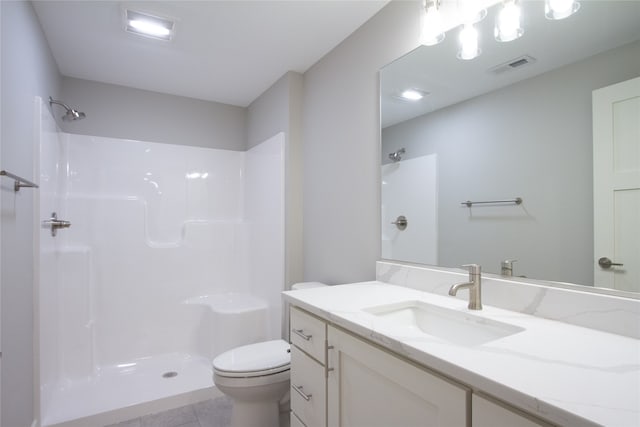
(19, 182)
(516, 201)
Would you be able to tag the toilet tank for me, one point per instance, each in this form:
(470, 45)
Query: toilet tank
(307, 285)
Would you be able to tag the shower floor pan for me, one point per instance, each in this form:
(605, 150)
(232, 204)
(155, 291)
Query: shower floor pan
(130, 390)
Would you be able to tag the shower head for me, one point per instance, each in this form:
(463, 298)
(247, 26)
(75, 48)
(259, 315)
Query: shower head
(71, 114)
(396, 155)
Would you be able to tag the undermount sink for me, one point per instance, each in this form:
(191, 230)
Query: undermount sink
(454, 326)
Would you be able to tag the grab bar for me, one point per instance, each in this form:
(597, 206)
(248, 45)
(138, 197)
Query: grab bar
(19, 182)
(516, 201)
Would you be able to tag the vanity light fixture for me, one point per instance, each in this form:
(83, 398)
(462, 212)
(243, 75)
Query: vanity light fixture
(509, 22)
(469, 46)
(560, 9)
(431, 27)
(146, 25)
(470, 12)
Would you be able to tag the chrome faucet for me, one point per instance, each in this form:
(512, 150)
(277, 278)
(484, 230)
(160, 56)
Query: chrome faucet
(474, 285)
(506, 267)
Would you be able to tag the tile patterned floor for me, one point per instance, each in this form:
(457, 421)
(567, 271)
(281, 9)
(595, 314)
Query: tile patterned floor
(210, 413)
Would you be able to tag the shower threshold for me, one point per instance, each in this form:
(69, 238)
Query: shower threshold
(130, 390)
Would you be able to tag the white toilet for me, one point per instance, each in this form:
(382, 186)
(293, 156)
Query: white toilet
(256, 377)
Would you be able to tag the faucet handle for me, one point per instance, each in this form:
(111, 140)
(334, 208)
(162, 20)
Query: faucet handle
(508, 263)
(474, 269)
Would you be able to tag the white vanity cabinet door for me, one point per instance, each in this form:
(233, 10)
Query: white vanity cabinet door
(369, 387)
(308, 389)
(485, 413)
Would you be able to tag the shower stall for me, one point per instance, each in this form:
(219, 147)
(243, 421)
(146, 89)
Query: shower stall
(174, 254)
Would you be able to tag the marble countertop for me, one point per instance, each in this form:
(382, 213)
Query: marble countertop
(566, 374)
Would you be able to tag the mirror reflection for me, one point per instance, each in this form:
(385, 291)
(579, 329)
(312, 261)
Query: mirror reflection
(515, 124)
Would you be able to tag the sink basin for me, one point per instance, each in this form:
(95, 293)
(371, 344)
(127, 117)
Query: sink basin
(454, 326)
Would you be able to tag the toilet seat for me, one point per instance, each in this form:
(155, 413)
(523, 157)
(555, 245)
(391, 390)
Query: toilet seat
(254, 360)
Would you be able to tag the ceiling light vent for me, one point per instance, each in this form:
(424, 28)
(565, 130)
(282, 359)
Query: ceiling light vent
(146, 25)
(411, 95)
(513, 64)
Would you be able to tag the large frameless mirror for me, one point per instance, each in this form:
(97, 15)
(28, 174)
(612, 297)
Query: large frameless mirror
(494, 162)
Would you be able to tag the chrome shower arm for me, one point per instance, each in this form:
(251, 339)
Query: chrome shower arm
(53, 101)
(71, 114)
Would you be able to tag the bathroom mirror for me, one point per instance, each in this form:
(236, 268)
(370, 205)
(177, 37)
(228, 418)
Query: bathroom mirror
(512, 127)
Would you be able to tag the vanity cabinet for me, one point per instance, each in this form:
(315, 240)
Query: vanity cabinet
(308, 370)
(488, 413)
(340, 380)
(368, 386)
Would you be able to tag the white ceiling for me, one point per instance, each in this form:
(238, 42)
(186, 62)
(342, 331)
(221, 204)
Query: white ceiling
(224, 51)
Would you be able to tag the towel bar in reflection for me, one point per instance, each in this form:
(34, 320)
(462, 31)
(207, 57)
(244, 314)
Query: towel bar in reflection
(516, 201)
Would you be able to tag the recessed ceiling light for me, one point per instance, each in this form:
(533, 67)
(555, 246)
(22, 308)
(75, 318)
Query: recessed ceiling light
(149, 25)
(413, 95)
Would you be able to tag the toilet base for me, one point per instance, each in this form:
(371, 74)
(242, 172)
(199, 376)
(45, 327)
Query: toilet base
(255, 414)
(255, 405)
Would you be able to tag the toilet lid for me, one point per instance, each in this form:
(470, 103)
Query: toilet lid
(270, 356)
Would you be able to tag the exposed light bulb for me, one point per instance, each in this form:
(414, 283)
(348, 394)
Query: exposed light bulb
(560, 9)
(469, 47)
(431, 27)
(509, 22)
(470, 11)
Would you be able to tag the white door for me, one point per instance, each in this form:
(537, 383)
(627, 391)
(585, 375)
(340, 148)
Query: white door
(616, 175)
(368, 387)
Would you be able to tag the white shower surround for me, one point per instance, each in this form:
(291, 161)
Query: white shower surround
(126, 293)
(410, 188)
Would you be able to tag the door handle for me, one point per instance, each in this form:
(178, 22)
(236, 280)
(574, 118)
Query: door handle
(606, 263)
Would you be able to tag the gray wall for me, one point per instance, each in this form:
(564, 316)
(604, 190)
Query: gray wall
(278, 109)
(532, 140)
(122, 112)
(342, 147)
(270, 112)
(28, 70)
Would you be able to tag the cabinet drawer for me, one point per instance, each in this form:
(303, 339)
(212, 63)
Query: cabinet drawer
(308, 398)
(308, 333)
(295, 421)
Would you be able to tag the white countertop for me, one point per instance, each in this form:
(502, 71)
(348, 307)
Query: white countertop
(566, 374)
